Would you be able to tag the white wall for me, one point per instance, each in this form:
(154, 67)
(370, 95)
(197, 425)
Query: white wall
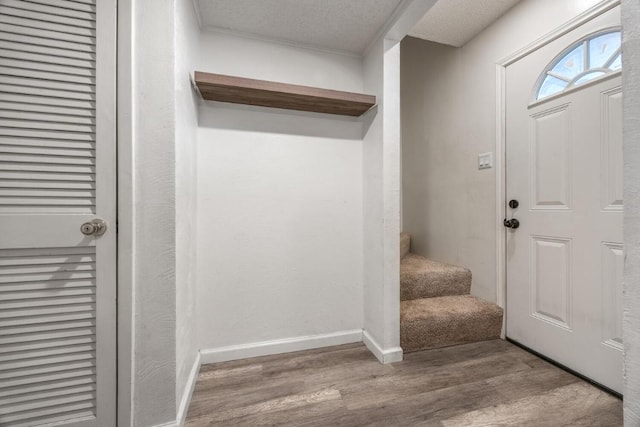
(156, 159)
(279, 241)
(381, 185)
(149, 223)
(187, 39)
(455, 221)
(631, 99)
(381, 193)
(431, 193)
(225, 53)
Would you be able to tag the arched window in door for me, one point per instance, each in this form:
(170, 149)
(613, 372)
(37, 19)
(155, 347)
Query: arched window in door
(590, 58)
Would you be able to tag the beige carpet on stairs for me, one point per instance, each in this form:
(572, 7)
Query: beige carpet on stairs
(436, 309)
(423, 278)
(444, 321)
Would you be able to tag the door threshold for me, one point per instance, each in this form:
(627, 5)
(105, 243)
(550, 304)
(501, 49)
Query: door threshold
(564, 368)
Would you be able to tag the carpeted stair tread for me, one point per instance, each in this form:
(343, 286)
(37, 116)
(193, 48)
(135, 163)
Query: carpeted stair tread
(444, 321)
(405, 244)
(424, 278)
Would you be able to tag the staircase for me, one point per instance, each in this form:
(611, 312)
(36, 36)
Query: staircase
(436, 309)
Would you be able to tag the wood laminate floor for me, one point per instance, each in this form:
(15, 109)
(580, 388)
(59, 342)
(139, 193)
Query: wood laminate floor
(492, 383)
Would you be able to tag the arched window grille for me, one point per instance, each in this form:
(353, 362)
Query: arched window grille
(593, 57)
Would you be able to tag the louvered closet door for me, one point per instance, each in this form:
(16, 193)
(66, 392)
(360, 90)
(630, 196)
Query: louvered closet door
(57, 171)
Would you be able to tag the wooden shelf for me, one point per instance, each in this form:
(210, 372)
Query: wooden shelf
(239, 90)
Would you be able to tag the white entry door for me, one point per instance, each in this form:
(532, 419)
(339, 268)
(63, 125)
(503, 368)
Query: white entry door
(564, 167)
(57, 172)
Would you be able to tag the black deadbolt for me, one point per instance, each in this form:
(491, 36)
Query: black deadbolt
(513, 204)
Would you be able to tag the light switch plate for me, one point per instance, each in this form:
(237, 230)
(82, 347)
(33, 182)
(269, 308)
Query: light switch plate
(485, 161)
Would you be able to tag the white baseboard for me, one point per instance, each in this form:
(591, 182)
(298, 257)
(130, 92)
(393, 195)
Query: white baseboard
(266, 348)
(390, 355)
(188, 392)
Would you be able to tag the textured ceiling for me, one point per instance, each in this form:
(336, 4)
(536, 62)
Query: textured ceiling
(455, 22)
(341, 25)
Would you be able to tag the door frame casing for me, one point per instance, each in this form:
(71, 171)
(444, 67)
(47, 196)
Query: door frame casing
(501, 125)
(125, 212)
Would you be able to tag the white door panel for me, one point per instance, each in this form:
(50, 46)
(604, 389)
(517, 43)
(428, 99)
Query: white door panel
(57, 171)
(564, 262)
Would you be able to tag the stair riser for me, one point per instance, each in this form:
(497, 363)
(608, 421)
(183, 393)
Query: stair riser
(410, 288)
(441, 322)
(424, 278)
(434, 333)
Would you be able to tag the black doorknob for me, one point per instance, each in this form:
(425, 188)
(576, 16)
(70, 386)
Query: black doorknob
(511, 223)
(513, 204)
